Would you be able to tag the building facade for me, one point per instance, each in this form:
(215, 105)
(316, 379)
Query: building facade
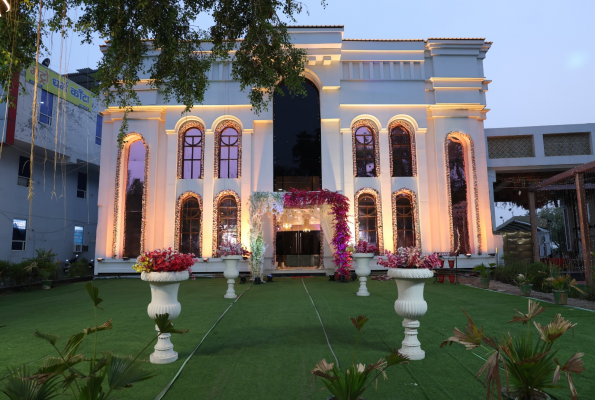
(394, 125)
(63, 214)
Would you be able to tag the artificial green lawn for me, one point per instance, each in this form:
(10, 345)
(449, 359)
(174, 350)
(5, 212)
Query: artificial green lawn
(265, 345)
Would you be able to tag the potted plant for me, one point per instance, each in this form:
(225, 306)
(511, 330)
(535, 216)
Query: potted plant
(485, 275)
(524, 282)
(231, 253)
(363, 253)
(352, 383)
(560, 286)
(528, 362)
(164, 270)
(410, 270)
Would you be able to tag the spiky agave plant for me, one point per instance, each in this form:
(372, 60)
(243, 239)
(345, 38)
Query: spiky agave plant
(106, 375)
(528, 362)
(352, 383)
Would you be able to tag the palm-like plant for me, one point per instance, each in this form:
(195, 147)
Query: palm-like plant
(529, 363)
(351, 384)
(104, 376)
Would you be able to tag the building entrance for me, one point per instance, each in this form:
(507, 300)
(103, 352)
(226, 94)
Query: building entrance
(298, 239)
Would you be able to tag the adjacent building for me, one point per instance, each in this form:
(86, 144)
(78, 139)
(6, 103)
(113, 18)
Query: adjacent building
(65, 179)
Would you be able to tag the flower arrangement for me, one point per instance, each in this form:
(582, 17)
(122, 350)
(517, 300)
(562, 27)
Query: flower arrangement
(166, 260)
(227, 248)
(364, 247)
(409, 257)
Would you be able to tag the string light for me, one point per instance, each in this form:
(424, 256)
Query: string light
(182, 132)
(413, 200)
(218, 198)
(181, 199)
(120, 165)
(228, 123)
(409, 129)
(459, 135)
(368, 123)
(376, 196)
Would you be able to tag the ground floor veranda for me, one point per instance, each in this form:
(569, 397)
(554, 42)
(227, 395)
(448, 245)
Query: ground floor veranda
(269, 340)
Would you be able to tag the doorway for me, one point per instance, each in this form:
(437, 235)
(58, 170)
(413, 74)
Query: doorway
(298, 249)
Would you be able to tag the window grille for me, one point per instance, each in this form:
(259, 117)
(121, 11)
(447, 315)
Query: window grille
(510, 147)
(568, 144)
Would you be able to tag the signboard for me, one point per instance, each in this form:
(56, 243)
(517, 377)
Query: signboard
(60, 86)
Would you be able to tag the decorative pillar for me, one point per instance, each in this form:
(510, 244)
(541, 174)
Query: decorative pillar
(583, 221)
(208, 196)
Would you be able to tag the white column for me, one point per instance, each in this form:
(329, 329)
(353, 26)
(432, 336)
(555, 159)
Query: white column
(385, 190)
(245, 184)
(105, 197)
(207, 201)
(348, 180)
(171, 166)
(424, 199)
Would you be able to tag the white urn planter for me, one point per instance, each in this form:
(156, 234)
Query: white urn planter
(164, 299)
(231, 273)
(363, 271)
(411, 306)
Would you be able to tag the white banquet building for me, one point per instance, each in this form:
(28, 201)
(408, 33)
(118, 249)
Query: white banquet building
(397, 126)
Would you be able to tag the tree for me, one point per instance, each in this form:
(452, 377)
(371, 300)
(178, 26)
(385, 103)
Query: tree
(164, 32)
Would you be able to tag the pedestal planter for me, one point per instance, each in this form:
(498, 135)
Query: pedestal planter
(526, 289)
(164, 299)
(363, 271)
(46, 284)
(561, 297)
(231, 273)
(484, 283)
(411, 306)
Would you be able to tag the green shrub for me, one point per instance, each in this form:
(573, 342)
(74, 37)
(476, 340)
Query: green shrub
(80, 268)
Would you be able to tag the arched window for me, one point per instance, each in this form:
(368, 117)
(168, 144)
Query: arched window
(190, 226)
(133, 203)
(400, 141)
(229, 143)
(192, 154)
(404, 222)
(458, 195)
(227, 220)
(365, 148)
(366, 219)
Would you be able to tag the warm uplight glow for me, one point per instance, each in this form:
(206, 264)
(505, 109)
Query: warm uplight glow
(7, 4)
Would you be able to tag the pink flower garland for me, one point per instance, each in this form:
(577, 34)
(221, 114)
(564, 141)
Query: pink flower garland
(339, 208)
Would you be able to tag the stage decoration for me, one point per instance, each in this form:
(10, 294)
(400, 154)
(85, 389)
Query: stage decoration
(470, 149)
(409, 129)
(228, 123)
(181, 134)
(379, 229)
(413, 199)
(216, 202)
(372, 126)
(123, 150)
(259, 204)
(181, 199)
(339, 209)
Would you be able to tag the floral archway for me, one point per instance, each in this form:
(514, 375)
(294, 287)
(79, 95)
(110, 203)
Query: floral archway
(261, 203)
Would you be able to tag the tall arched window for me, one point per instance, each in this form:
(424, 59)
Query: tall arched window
(227, 220)
(192, 154)
(365, 150)
(190, 220)
(400, 141)
(229, 144)
(366, 218)
(133, 203)
(458, 195)
(404, 222)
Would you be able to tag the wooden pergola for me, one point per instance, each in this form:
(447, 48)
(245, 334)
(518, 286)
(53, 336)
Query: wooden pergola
(578, 173)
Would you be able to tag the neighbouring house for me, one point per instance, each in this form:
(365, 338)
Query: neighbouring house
(63, 213)
(517, 240)
(394, 125)
(520, 157)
